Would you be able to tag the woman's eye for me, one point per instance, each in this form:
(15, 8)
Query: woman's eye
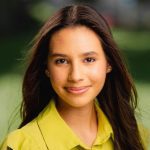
(61, 61)
(89, 59)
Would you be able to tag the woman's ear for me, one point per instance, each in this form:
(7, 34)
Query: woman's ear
(109, 68)
(47, 73)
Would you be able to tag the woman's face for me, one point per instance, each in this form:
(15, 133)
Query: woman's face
(77, 65)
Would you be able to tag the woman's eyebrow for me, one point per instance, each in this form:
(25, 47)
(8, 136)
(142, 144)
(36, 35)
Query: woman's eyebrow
(57, 55)
(90, 53)
(64, 55)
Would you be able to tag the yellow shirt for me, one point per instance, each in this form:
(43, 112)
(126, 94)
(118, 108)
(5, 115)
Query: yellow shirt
(50, 132)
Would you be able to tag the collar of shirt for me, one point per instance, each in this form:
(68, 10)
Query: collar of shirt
(58, 135)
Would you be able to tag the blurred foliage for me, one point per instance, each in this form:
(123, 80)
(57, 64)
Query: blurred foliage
(45, 10)
(136, 48)
(12, 52)
(14, 17)
(142, 1)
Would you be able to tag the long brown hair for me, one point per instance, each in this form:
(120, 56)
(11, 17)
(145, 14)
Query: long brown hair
(118, 98)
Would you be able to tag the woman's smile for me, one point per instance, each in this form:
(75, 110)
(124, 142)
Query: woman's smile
(77, 90)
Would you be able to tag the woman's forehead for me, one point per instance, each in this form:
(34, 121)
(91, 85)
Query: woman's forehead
(75, 38)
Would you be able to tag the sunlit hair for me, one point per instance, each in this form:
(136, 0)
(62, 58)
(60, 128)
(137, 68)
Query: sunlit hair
(118, 98)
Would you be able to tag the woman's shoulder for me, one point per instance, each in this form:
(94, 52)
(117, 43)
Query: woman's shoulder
(27, 137)
(145, 135)
(13, 140)
(23, 138)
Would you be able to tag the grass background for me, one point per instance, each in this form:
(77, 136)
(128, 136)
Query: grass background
(135, 46)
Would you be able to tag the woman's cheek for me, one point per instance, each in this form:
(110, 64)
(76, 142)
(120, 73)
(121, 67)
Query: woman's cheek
(57, 75)
(98, 73)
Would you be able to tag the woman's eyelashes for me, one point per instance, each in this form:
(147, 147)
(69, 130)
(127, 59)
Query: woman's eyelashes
(61, 61)
(89, 60)
(66, 61)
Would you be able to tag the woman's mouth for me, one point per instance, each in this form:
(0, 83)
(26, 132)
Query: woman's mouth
(77, 90)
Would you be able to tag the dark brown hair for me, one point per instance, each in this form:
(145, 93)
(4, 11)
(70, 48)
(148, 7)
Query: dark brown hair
(118, 98)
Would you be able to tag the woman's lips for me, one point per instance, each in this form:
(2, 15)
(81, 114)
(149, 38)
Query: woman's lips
(77, 90)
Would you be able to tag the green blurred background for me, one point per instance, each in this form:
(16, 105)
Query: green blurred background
(20, 21)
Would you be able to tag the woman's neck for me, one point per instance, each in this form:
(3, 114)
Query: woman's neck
(82, 120)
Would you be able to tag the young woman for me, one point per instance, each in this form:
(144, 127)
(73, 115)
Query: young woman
(77, 92)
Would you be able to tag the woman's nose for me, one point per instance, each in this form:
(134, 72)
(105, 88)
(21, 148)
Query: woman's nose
(75, 73)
